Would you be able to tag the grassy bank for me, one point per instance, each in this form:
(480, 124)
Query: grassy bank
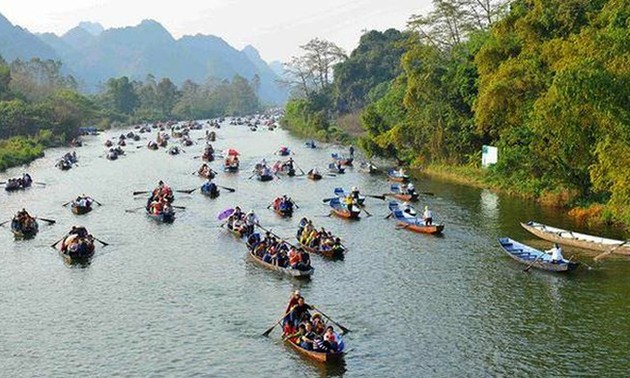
(20, 150)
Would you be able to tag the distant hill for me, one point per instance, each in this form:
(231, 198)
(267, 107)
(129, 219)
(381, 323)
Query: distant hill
(16, 42)
(94, 55)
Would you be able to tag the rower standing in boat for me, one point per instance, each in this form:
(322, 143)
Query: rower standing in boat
(427, 216)
(351, 150)
(251, 220)
(355, 194)
(556, 253)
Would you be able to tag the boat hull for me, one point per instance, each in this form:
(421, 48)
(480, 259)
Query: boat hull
(162, 217)
(535, 258)
(575, 239)
(315, 356)
(422, 229)
(80, 210)
(295, 273)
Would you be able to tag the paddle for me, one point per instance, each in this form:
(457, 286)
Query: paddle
(381, 197)
(427, 193)
(226, 188)
(401, 226)
(389, 215)
(39, 183)
(95, 201)
(141, 192)
(328, 199)
(179, 207)
(365, 211)
(54, 245)
(186, 191)
(250, 177)
(134, 210)
(51, 221)
(5, 222)
(268, 331)
(344, 329)
(100, 241)
(331, 174)
(610, 251)
(67, 203)
(533, 262)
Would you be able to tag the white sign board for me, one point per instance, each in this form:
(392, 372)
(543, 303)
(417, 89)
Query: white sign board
(489, 155)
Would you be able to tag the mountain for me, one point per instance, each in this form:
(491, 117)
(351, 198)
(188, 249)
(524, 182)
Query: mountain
(16, 42)
(94, 55)
(277, 67)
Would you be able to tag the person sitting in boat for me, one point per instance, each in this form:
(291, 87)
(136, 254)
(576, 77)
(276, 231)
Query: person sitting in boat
(355, 193)
(156, 206)
(319, 326)
(305, 260)
(294, 258)
(351, 150)
(411, 189)
(338, 164)
(556, 253)
(26, 179)
(330, 338)
(80, 231)
(209, 187)
(290, 164)
(308, 339)
(251, 220)
(295, 336)
(427, 216)
(349, 202)
(407, 208)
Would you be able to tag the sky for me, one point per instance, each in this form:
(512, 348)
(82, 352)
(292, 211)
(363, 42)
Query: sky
(275, 27)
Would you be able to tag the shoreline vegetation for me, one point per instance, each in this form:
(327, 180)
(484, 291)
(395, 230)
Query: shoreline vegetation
(546, 82)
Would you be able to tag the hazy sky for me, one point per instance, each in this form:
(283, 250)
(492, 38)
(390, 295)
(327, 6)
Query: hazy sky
(275, 27)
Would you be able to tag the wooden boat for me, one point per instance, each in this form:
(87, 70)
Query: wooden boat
(207, 174)
(263, 177)
(17, 184)
(413, 223)
(536, 258)
(314, 176)
(80, 210)
(174, 150)
(111, 155)
(64, 165)
(108, 143)
(284, 170)
(313, 355)
(341, 210)
(342, 160)
(398, 193)
(152, 145)
(207, 157)
(296, 273)
(339, 192)
(22, 232)
(77, 253)
(394, 175)
(163, 217)
(332, 253)
(576, 239)
(310, 144)
(367, 167)
(285, 212)
(284, 151)
(210, 193)
(332, 167)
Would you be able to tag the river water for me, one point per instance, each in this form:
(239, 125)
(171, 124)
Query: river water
(183, 300)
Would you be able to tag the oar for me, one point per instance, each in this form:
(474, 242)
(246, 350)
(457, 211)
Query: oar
(364, 210)
(179, 207)
(268, 331)
(95, 201)
(226, 188)
(344, 329)
(328, 199)
(134, 210)
(51, 221)
(67, 203)
(402, 226)
(186, 191)
(5, 222)
(39, 183)
(54, 245)
(427, 193)
(250, 177)
(381, 197)
(100, 241)
(331, 174)
(389, 215)
(610, 251)
(533, 262)
(141, 192)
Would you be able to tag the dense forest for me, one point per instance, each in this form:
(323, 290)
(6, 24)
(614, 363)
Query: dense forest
(546, 81)
(41, 107)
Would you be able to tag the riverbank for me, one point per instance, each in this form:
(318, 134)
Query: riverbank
(591, 214)
(20, 150)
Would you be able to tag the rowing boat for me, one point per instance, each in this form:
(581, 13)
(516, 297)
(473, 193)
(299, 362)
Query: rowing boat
(295, 273)
(339, 192)
(209, 192)
(342, 160)
(76, 249)
(341, 210)
(80, 210)
(413, 223)
(394, 175)
(536, 258)
(163, 217)
(316, 356)
(314, 176)
(403, 195)
(22, 232)
(332, 253)
(576, 239)
(332, 167)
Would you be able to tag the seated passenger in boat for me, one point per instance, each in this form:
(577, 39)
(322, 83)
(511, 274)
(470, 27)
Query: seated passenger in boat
(308, 338)
(319, 327)
(331, 339)
(556, 253)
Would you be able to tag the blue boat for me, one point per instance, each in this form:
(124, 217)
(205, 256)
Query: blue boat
(339, 192)
(163, 217)
(413, 222)
(310, 144)
(332, 167)
(537, 259)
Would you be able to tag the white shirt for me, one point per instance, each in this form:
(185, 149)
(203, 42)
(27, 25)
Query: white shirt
(427, 214)
(556, 253)
(251, 219)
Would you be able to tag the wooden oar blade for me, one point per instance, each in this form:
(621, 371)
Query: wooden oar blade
(140, 192)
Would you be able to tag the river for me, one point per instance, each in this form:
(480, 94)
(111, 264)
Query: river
(183, 300)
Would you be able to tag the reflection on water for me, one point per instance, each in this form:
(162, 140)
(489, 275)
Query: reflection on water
(184, 300)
